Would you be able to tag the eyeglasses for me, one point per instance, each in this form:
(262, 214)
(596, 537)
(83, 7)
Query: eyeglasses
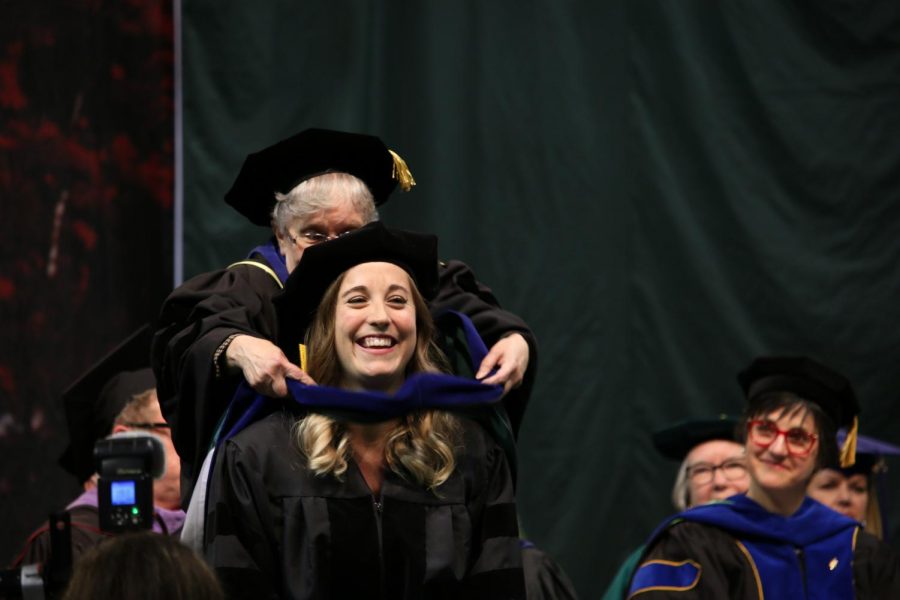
(797, 440)
(313, 237)
(703, 473)
(147, 425)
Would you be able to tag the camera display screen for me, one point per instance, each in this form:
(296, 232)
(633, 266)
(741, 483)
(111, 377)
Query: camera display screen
(122, 493)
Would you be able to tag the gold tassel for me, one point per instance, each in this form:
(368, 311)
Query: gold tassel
(848, 450)
(302, 356)
(401, 173)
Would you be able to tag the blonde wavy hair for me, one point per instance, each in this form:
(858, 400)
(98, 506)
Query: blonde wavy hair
(420, 447)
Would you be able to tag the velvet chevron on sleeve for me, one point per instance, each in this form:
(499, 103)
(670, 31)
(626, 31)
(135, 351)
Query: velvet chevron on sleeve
(736, 549)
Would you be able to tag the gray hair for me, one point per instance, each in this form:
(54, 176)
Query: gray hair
(681, 491)
(321, 193)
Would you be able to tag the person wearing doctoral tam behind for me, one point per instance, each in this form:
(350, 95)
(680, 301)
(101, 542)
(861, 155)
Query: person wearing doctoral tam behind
(712, 468)
(369, 484)
(116, 394)
(774, 542)
(219, 328)
(857, 491)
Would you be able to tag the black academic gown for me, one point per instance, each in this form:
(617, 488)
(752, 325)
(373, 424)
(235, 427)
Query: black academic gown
(544, 577)
(736, 549)
(85, 530)
(200, 314)
(85, 534)
(274, 530)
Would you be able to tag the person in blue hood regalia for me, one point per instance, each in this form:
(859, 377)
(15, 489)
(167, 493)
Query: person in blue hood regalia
(370, 483)
(774, 542)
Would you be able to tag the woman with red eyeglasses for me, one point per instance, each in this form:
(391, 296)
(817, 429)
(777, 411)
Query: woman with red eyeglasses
(774, 542)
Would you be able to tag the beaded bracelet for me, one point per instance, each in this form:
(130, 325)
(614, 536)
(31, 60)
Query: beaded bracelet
(220, 351)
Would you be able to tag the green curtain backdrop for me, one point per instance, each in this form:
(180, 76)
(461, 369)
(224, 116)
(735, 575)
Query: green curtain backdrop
(661, 189)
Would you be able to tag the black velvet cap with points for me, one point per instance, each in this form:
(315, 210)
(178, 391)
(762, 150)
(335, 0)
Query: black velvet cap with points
(282, 166)
(677, 441)
(805, 377)
(321, 264)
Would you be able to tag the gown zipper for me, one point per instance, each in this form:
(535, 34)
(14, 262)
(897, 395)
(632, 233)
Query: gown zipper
(378, 509)
(802, 561)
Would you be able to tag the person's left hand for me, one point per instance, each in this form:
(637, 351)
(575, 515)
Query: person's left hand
(510, 357)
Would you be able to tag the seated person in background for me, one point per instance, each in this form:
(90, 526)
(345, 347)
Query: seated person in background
(774, 542)
(309, 188)
(375, 491)
(854, 491)
(142, 566)
(117, 394)
(713, 467)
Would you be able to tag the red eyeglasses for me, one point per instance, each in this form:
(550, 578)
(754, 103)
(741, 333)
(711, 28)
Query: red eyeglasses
(797, 440)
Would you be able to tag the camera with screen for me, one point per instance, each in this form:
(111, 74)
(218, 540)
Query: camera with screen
(127, 464)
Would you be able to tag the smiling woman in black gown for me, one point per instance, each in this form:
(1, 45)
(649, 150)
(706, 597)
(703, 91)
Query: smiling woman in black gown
(374, 493)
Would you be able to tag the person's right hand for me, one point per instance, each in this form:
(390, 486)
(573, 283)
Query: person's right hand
(264, 365)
